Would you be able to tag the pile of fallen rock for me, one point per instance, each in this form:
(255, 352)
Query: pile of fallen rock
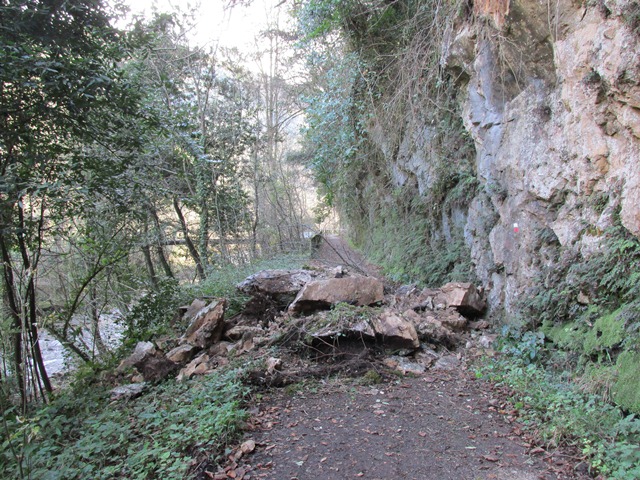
(320, 310)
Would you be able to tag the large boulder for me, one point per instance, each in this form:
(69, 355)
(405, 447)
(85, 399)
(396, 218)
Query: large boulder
(207, 326)
(464, 297)
(322, 294)
(277, 283)
(395, 331)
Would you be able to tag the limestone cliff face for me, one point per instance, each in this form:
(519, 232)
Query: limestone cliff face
(551, 98)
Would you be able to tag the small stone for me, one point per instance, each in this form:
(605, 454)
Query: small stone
(248, 446)
(273, 364)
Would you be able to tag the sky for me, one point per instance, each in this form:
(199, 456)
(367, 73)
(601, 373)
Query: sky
(229, 27)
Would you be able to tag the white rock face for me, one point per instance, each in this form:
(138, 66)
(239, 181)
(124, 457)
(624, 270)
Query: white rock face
(566, 131)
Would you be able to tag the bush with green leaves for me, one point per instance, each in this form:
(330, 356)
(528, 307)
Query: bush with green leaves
(82, 435)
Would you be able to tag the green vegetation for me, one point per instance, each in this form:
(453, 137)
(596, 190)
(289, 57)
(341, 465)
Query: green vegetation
(589, 308)
(377, 64)
(81, 435)
(560, 413)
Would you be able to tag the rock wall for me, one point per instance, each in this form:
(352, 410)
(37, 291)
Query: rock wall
(551, 98)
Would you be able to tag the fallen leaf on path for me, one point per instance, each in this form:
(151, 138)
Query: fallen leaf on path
(490, 458)
(422, 434)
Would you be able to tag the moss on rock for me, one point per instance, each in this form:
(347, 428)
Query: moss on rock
(626, 391)
(567, 336)
(607, 332)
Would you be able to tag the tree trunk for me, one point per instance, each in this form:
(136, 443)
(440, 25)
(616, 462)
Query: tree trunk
(158, 247)
(11, 302)
(190, 246)
(146, 251)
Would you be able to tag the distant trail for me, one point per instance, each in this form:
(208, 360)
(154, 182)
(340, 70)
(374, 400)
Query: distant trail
(333, 251)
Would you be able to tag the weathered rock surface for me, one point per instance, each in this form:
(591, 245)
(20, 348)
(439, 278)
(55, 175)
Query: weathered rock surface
(464, 297)
(274, 283)
(207, 326)
(394, 330)
(322, 294)
(451, 319)
(431, 330)
(126, 392)
(156, 367)
(237, 332)
(182, 353)
(140, 352)
(197, 366)
(325, 326)
(192, 310)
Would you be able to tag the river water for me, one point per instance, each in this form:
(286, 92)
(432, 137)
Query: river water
(59, 360)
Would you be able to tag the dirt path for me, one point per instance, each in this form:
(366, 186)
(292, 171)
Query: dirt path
(443, 424)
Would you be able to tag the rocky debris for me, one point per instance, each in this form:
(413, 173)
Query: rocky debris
(141, 351)
(126, 392)
(431, 330)
(182, 353)
(156, 367)
(394, 330)
(479, 325)
(405, 365)
(207, 326)
(346, 335)
(322, 294)
(239, 331)
(487, 341)
(451, 319)
(220, 349)
(464, 297)
(327, 326)
(448, 362)
(277, 283)
(192, 310)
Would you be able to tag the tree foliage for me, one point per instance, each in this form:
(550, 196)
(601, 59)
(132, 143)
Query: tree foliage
(69, 119)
